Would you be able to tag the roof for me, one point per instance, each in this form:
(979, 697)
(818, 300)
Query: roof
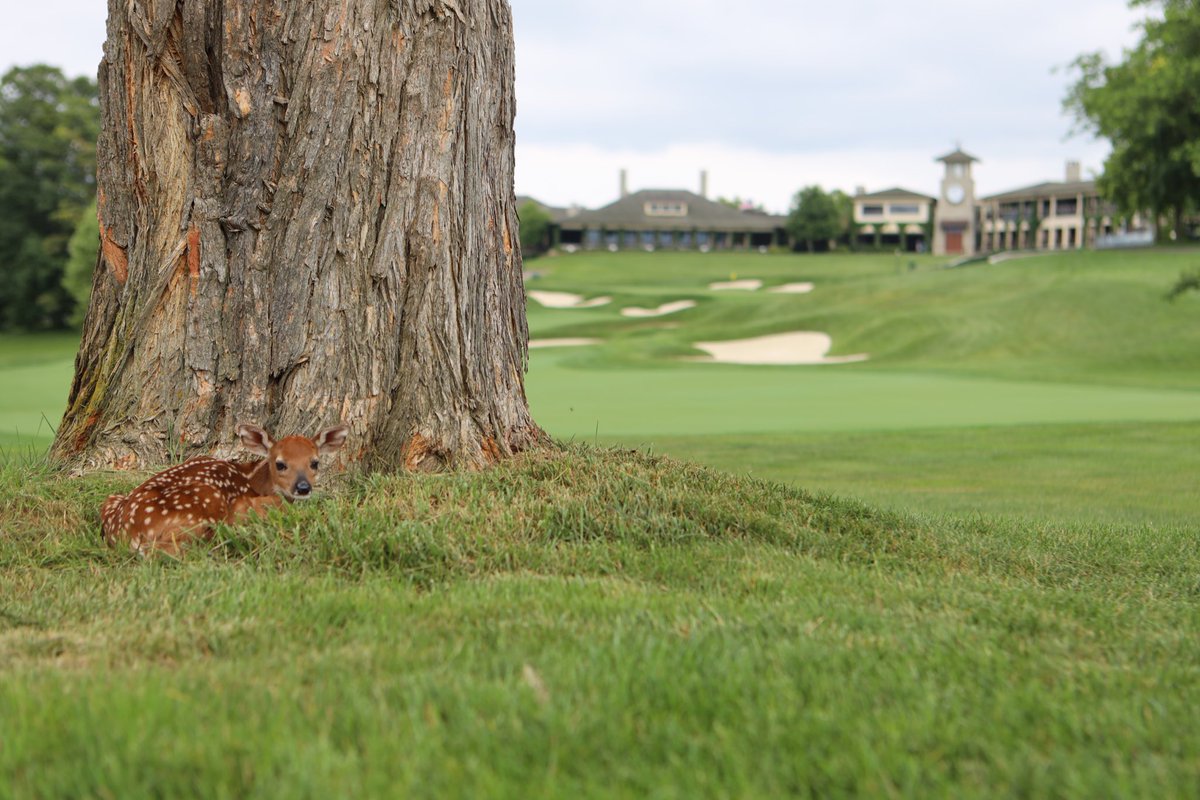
(957, 157)
(629, 213)
(895, 193)
(1048, 189)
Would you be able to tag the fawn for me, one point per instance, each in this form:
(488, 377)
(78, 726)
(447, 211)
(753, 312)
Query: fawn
(181, 504)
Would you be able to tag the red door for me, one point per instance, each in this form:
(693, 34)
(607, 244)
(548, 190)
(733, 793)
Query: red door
(954, 243)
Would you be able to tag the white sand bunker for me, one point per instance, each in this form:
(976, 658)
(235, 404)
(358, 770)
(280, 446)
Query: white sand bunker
(567, 300)
(793, 288)
(781, 348)
(737, 286)
(541, 344)
(661, 311)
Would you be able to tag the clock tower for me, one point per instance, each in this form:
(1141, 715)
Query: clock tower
(954, 223)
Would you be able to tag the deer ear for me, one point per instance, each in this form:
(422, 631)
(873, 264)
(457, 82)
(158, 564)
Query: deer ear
(255, 439)
(332, 439)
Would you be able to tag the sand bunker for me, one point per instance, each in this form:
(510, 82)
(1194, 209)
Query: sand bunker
(793, 288)
(743, 286)
(782, 348)
(541, 344)
(567, 300)
(661, 311)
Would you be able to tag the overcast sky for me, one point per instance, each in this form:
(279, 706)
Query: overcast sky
(767, 95)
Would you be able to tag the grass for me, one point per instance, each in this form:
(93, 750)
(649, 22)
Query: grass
(1097, 318)
(35, 374)
(1058, 388)
(1139, 474)
(599, 623)
(1012, 611)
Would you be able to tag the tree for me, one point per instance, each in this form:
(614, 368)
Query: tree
(82, 250)
(739, 204)
(814, 218)
(1148, 107)
(845, 208)
(1188, 282)
(48, 127)
(535, 228)
(306, 216)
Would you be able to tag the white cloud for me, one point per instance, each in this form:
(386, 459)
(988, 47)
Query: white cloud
(769, 95)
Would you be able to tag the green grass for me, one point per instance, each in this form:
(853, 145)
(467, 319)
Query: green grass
(1140, 474)
(1091, 318)
(1012, 614)
(35, 375)
(1062, 387)
(599, 624)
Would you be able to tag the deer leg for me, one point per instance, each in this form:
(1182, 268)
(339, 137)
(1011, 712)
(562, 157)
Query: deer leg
(245, 507)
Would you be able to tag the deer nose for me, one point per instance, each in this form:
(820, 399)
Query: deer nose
(303, 488)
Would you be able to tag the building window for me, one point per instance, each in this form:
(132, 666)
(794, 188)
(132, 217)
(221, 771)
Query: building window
(666, 208)
(666, 239)
(904, 208)
(1066, 208)
(648, 239)
(872, 211)
(591, 238)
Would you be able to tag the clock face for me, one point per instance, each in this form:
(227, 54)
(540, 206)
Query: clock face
(955, 193)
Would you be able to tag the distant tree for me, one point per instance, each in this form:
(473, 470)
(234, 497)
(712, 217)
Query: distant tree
(814, 217)
(1148, 107)
(48, 129)
(1188, 282)
(741, 205)
(845, 208)
(535, 228)
(82, 250)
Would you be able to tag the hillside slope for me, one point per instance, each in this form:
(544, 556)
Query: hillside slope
(591, 622)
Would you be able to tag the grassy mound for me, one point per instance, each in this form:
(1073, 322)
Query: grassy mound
(595, 622)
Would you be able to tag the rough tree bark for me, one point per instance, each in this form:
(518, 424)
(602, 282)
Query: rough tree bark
(307, 216)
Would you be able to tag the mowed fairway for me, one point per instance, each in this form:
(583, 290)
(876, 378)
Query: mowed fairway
(1000, 389)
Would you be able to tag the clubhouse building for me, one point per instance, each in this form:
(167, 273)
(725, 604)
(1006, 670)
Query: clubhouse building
(1059, 215)
(894, 218)
(667, 219)
(1054, 215)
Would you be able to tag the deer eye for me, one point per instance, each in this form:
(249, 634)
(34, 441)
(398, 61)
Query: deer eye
(281, 466)
(315, 464)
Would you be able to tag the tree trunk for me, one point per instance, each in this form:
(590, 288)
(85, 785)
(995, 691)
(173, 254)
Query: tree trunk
(307, 216)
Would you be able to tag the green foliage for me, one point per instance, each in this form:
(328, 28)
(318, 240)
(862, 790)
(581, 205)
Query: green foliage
(845, 208)
(82, 251)
(1148, 106)
(1188, 282)
(815, 218)
(48, 129)
(740, 204)
(535, 228)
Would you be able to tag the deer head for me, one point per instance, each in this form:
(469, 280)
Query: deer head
(292, 463)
